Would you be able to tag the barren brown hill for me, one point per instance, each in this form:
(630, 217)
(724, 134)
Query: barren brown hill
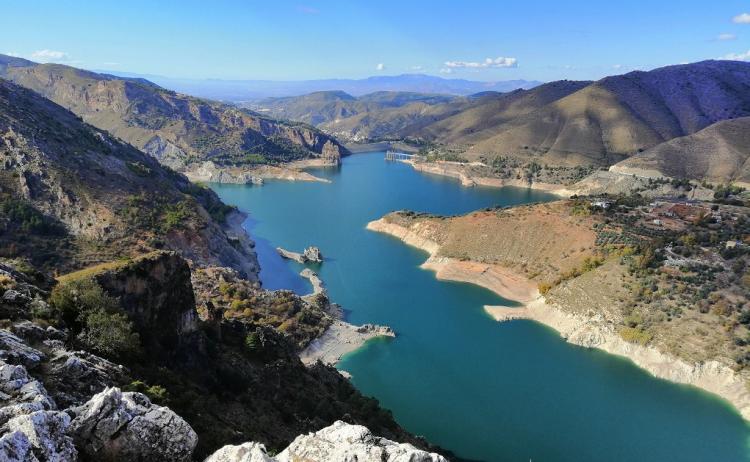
(176, 129)
(483, 119)
(719, 153)
(540, 241)
(618, 116)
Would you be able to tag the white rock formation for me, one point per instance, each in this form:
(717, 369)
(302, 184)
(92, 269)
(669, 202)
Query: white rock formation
(341, 442)
(246, 452)
(20, 394)
(125, 426)
(14, 350)
(46, 433)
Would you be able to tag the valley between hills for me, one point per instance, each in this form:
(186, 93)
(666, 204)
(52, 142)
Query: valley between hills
(135, 324)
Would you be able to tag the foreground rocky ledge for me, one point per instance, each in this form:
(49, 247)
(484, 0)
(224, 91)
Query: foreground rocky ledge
(588, 331)
(339, 442)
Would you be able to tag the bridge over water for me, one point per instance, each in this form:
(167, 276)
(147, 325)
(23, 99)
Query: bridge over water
(394, 155)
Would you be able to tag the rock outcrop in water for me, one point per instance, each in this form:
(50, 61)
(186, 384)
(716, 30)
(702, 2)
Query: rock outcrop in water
(339, 442)
(311, 254)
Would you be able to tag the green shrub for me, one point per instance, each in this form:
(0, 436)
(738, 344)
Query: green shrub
(108, 334)
(156, 393)
(28, 218)
(636, 335)
(174, 216)
(71, 299)
(95, 318)
(252, 342)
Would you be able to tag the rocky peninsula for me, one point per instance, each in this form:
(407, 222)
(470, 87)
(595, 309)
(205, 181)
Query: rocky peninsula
(340, 337)
(209, 172)
(515, 252)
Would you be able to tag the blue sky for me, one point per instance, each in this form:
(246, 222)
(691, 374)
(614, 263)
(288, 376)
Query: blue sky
(290, 40)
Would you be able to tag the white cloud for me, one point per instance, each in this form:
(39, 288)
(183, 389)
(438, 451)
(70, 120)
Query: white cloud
(743, 18)
(417, 68)
(617, 66)
(380, 67)
(13, 54)
(446, 70)
(46, 56)
(487, 63)
(725, 37)
(738, 56)
(111, 63)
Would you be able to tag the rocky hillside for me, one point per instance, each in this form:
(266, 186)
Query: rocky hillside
(340, 441)
(110, 348)
(719, 153)
(81, 197)
(618, 116)
(177, 129)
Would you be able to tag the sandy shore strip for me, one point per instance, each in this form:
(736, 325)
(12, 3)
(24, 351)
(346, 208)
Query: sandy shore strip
(339, 339)
(593, 331)
(456, 171)
(318, 286)
(286, 173)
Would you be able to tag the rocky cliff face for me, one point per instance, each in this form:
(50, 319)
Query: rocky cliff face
(174, 128)
(155, 292)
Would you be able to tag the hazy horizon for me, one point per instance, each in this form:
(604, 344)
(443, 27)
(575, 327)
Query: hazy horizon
(319, 40)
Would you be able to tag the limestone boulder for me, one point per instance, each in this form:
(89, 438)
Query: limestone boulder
(117, 426)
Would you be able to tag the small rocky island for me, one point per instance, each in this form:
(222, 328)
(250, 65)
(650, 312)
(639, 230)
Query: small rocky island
(311, 254)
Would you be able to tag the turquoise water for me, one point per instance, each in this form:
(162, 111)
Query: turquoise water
(486, 391)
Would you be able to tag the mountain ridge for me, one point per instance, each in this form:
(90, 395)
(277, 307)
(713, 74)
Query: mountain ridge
(177, 129)
(250, 90)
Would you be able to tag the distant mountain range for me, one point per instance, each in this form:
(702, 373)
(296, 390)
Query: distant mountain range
(634, 116)
(250, 90)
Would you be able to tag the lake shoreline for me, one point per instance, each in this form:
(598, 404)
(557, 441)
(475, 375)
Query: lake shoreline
(451, 170)
(589, 332)
(341, 337)
(209, 172)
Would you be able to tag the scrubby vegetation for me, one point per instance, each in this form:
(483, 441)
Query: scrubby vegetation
(95, 318)
(682, 260)
(302, 320)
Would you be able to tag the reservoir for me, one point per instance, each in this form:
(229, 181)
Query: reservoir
(487, 391)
